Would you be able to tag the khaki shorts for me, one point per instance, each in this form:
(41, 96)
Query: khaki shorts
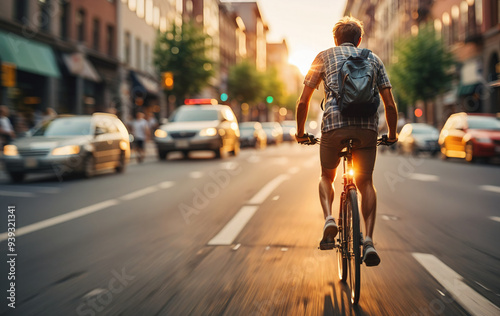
(364, 148)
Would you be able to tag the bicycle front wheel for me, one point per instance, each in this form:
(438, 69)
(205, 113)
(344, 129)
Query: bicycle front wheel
(354, 245)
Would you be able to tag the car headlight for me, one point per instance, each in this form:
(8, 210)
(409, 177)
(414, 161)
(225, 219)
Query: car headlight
(208, 132)
(10, 150)
(160, 133)
(484, 140)
(66, 150)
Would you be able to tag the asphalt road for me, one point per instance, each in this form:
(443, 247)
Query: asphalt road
(239, 236)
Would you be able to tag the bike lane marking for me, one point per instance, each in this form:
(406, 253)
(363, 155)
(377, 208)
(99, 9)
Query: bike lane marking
(469, 299)
(86, 210)
(232, 229)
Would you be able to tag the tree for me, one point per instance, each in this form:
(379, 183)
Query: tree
(273, 86)
(183, 51)
(421, 71)
(245, 83)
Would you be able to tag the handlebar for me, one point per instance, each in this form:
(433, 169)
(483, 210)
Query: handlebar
(383, 140)
(311, 140)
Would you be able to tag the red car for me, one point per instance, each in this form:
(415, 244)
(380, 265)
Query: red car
(470, 136)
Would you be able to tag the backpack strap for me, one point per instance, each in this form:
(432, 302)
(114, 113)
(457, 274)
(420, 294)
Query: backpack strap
(365, 53)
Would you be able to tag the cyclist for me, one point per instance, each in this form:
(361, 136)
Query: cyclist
(337, 129)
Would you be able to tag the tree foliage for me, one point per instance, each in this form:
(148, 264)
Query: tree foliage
(183, 51)
(421, 70)
(245, 83)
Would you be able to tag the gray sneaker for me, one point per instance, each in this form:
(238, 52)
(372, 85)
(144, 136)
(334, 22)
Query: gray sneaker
(329, 232)
(370, 255)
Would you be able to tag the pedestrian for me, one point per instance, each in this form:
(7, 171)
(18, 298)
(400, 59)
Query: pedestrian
(141, 133)
(6, 129)
(337, 127)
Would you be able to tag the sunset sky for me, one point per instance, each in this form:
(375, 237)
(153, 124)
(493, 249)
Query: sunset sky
(306, 25)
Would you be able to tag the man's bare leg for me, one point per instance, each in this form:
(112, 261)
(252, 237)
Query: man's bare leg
(326, 195)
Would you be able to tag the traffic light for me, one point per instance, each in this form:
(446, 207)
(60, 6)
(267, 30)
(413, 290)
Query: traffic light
(224, 97)
(269, 99)
(167, 80)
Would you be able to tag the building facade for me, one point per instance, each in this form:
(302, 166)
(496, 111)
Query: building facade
(139, 22)
(469, 28)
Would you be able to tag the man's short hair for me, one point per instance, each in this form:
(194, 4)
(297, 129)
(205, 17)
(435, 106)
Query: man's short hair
(348, 30)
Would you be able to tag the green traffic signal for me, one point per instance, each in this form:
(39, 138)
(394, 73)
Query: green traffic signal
(269, 99)
(224, 97)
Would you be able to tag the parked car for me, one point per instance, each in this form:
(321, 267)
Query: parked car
(199, 126)
(470, 136)
(274, 132)
(289, 130)
(70, 144)
(415, 138)
(252, 135)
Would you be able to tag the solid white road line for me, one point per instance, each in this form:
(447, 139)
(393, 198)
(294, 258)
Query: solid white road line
(262, 195)
(495, 218)
(86, 210)
(424, 177)
(139, 193)
(470, 300)
(61, 218)
(490, 188)
(227, 235)
(166, 184)
(16, 194)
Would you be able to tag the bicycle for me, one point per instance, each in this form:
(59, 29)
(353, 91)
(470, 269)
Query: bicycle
(350, 237)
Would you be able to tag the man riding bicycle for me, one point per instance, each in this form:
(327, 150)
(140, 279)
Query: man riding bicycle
(338, 128)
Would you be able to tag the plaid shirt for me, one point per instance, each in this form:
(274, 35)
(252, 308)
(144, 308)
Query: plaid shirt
(326, 67)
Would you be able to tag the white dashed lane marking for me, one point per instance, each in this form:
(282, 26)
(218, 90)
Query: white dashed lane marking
(495, 218)
(424, 177)
(490, 188)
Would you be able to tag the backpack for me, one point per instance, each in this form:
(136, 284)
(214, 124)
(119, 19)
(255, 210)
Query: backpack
(358, 93)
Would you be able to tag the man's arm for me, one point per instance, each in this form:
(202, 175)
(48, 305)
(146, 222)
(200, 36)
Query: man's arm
(303, 109)
(391, 113)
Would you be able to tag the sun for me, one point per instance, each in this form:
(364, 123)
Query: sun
(302, 59)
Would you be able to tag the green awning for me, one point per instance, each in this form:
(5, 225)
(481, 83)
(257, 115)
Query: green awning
(28, 55)
(467, 89)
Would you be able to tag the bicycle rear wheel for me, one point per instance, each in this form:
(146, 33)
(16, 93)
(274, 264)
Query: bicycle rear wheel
(354, 245)
(342, 241)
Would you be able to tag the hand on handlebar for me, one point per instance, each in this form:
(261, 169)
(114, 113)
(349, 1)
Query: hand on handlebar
(385, 140)
(307, 139)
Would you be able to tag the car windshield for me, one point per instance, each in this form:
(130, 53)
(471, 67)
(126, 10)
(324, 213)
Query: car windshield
(423, 129)
(65, 126)
(489, 123)
(194, 115)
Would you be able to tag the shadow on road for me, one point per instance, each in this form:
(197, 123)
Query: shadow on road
(332, 306)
